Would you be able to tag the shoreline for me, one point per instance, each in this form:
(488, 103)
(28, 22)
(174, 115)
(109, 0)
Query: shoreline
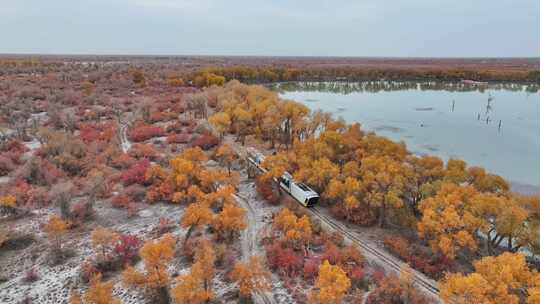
(524, 189)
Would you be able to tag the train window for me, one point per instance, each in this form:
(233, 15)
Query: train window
(303, 187)
(312, 201)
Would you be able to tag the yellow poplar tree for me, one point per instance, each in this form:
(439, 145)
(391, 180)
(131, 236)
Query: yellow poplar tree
(449, 219)
(156, 255)
(500, 279)
(251, 276)
(332, 284)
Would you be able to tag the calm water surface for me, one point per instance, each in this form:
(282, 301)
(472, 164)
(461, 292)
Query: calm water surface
(447, 120)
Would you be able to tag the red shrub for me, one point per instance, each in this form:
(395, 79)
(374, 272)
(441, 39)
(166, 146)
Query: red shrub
(132, 209)
(13, 146)
(165, 225)
(120, 201)
(145, 132)
(123, 161)
(378, 276)
(361, 216)
(419, 258)
(6, 165)
(161, 116)
(39, 171)
(136, 173)
(21, 191)
(205, 141)
(311, 268)
(127, 248)
(187, 122)
(31, 275)
(38, 197)
(177, 127)
(356, 274)
(284, 260)
(266, 191)
(178, 138)
(89, 132)
(143, 151)
(88, 270)
(398, 246)
(332, 254)
(135, 192)
(81, 212)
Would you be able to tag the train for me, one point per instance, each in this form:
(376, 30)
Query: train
(301, 192)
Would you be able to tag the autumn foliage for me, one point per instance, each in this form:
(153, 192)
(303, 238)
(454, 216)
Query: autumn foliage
(502, 279)
(98, 293)
(251, 276)
(156, 255)
(331, 285)
(196, 287)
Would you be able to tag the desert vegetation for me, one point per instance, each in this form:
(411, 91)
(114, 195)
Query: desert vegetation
(124, 182)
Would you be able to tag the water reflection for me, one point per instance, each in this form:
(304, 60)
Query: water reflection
(495, 126)
(388, 86)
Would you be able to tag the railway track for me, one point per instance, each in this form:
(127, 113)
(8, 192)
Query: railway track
(381, 257)
(384, 258)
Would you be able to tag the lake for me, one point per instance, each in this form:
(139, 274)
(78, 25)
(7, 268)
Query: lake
(450, 120)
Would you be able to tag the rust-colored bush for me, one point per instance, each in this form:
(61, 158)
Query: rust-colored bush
(205, 141)
(145, 132)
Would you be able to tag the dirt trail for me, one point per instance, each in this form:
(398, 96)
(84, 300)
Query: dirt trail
(124, 141)
(259, 218)
(372, 251)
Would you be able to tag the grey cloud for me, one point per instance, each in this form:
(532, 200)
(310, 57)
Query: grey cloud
(272, 27)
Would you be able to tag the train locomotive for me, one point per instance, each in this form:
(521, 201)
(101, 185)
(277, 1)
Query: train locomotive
(301, 192)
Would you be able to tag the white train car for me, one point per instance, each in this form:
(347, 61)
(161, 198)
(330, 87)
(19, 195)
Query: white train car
(299, 191)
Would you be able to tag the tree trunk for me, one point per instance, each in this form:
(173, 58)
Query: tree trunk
(382, 216)
(188, 234)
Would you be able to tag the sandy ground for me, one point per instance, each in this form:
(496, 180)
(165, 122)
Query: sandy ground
(55, 283)
(259, 215)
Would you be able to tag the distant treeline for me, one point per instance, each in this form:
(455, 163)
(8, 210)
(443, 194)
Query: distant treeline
(248, 74)
(347, 87)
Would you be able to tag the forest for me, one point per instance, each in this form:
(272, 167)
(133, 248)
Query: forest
(127, 182)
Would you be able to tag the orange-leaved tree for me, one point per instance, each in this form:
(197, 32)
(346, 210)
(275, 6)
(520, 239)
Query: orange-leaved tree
(383, 179)
(251, 276)
(221, 121)
(230, 221)
(55, 229)
(347, 193)
(297, 230)
(331, 286)
(502, 279)
(156, 255)
(103, 239)
(98, 293)
(196, 214)
(8, 202)
(195, 287)
(226, 156)
(449, 219)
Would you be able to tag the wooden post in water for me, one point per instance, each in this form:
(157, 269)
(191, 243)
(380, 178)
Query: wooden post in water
(500, 124)
(453, 104)
(487, 120)
(478, 116)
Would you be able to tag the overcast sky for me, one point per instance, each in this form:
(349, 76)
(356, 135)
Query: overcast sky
(434, 28)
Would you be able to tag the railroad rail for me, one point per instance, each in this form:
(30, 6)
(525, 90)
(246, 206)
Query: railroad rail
(393, 263)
